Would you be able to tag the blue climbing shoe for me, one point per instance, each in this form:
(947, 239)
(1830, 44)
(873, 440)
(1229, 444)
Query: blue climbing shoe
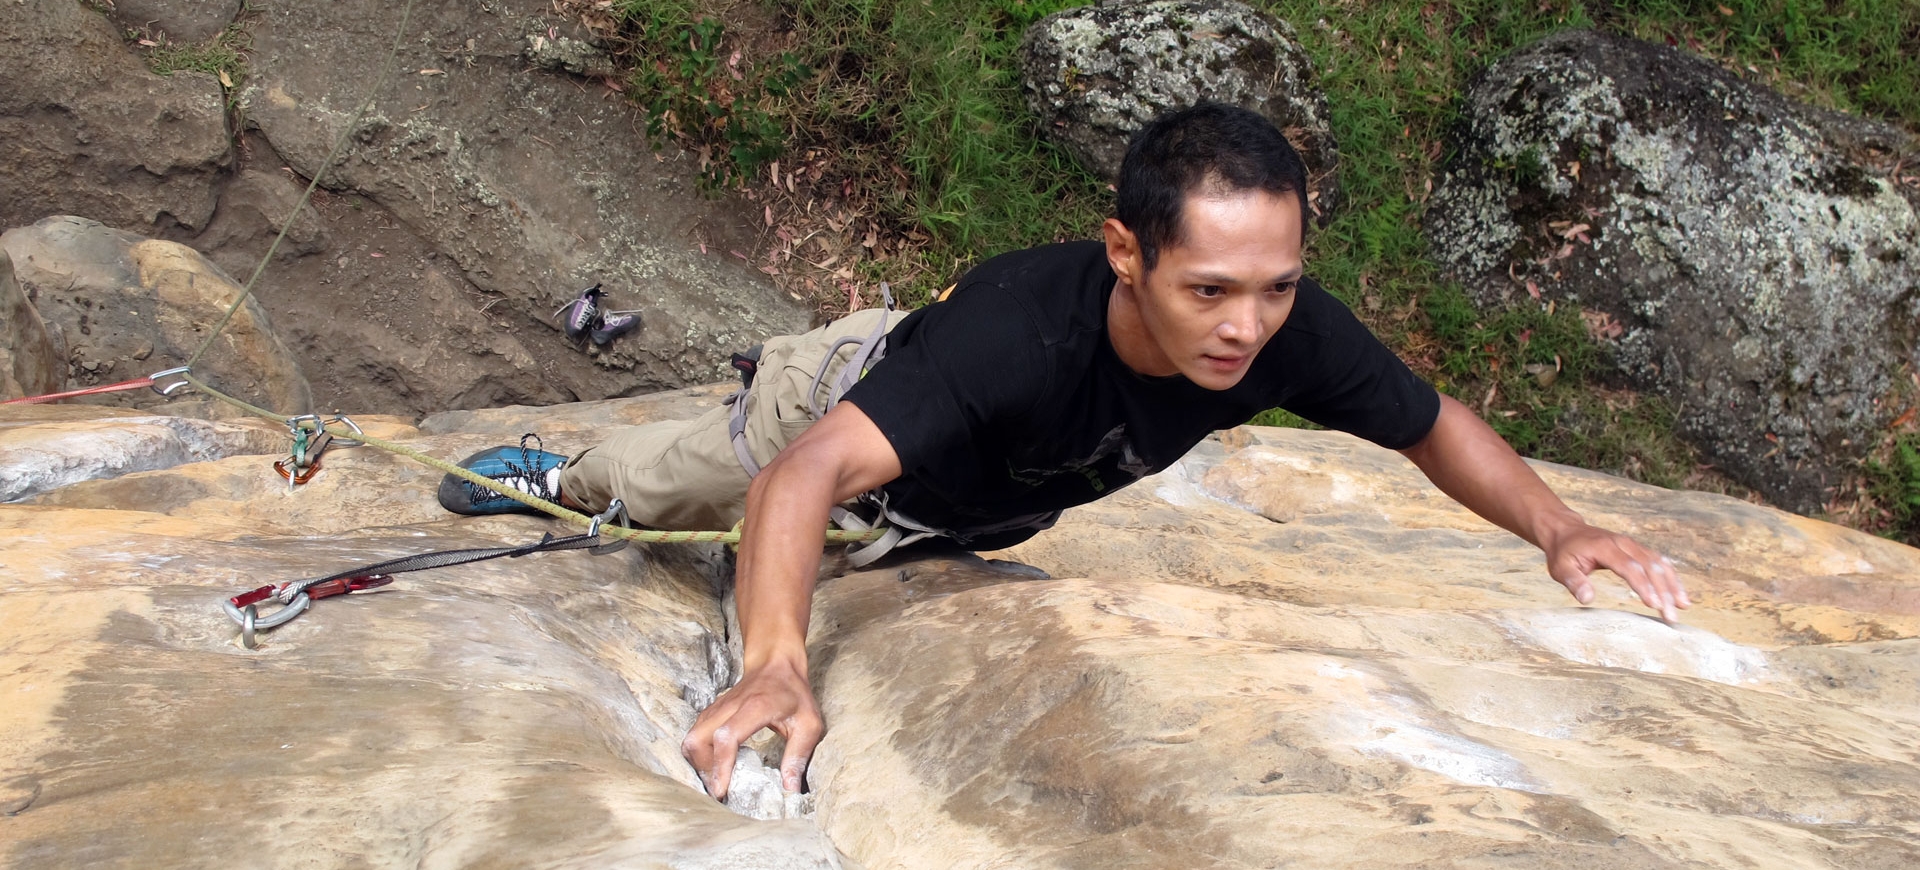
(528, 469)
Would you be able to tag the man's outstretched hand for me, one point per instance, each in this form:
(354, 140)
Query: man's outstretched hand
(776, 696)
(1574, 554)
(1469, 461)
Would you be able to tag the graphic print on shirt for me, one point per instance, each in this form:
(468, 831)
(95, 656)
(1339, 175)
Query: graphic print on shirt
(1130, 465)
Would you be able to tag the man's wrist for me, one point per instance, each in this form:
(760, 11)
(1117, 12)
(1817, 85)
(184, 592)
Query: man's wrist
(1555, 525)
(786, 656)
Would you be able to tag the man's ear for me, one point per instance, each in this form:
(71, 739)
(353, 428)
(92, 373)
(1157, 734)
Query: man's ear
(1123, 251)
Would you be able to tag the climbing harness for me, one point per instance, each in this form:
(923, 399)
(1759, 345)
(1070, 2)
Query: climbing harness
(889, 528)
(296, 596)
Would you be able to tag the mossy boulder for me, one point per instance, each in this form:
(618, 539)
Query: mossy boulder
(1097, 74)
(1748, 257)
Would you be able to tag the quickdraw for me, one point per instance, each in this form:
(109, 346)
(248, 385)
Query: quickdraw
(295, 597)
(303, 461)
(242, 608)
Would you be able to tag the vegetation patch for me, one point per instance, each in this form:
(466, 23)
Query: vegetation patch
(223, 56)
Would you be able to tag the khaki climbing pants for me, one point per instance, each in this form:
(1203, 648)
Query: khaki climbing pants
(684, 474)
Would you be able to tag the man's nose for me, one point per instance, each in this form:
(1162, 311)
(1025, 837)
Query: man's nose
(1241, 320)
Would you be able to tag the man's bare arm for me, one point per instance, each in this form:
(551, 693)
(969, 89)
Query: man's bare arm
(1473, 464)
(840, 457)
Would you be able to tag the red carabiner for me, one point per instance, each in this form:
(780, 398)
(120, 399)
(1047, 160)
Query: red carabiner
(255, 597)
(345, 585)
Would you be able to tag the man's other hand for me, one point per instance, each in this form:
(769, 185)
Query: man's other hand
(775, 696)
(1574, 554)
(1469, 461)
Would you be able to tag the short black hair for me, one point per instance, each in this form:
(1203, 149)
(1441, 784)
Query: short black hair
(1206, 144)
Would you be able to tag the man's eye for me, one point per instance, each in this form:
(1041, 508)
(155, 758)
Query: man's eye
(1286, 287)
(1209, 290)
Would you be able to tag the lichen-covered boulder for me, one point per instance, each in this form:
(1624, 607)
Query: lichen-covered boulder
(1097, 74)
(1747, 257)
(126, 306)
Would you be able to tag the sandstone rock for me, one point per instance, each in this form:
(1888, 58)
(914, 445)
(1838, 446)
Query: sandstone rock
(91, 132)
(505, 717)
(1384, 682)
(1381, 681)
(1097, 74)
(1763, 267)
(500, 189)
(113, 295)
(42, 453)
(31, 364)
(177, 20)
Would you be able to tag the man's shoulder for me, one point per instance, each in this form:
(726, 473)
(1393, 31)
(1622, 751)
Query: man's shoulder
(1316, 311)
(1047, 269)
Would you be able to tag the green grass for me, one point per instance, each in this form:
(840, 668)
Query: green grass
(1894, 484)
(920, 101)
(930, 89)
(223, 55)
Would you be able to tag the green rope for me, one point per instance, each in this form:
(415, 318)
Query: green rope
(399, 34)
(645, 536)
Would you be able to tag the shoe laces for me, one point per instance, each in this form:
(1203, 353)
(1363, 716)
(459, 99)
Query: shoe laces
(528, 470)
(583, 311)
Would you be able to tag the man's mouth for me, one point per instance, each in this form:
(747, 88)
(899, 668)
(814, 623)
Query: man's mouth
(1223, 363)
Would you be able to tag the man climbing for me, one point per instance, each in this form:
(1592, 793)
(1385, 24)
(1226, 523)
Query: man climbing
(1050, 378)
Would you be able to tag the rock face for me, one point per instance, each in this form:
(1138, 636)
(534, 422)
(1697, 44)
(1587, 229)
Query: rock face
(125, 306)
(502, 189)
(1380, 681)
(90, 131)
(177, 20)
(478, 194)
(1755, 262)
(1097, 74)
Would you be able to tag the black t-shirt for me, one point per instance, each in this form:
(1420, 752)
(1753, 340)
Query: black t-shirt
(1007, 403)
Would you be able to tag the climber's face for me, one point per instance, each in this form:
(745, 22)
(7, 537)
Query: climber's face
(1217, 293)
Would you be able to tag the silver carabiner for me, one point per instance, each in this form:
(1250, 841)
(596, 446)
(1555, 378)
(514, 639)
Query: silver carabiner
(250, 620)
(168, 373)
(616, 512)
(347, 421)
